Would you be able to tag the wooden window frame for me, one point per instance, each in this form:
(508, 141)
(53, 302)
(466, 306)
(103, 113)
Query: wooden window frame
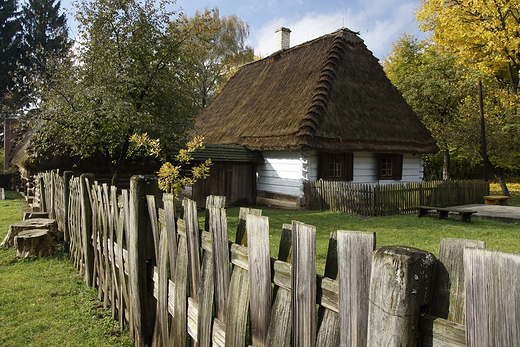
(396, 162)
(346, 170)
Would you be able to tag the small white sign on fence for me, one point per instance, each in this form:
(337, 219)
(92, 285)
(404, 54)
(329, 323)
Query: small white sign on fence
(2, 194)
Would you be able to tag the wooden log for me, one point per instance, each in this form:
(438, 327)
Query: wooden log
(400, 283)
(33, 242)
(492, 281)
(37, 223)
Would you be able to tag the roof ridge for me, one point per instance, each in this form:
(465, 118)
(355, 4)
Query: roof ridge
(318, 108)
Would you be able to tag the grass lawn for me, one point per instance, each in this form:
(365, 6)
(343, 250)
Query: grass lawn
(406, 230)
(43, 302)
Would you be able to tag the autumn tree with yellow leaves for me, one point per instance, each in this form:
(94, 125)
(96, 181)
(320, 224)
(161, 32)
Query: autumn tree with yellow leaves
(485, 38)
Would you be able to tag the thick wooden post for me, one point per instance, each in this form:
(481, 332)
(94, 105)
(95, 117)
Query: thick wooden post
(140, 258)
(67, 176)
(400, 283)
(86, 181)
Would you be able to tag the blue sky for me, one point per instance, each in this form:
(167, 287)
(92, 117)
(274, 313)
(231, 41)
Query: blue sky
(379, 22)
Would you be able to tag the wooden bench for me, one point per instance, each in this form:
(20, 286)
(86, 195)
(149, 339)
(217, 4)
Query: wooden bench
(442, 212)
(496, 199)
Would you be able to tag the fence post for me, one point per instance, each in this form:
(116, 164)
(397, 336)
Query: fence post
(86, 226)
(140, 258)
(260, 277)
(67, 175)
(43, 193)
(492, 286)
(355, 250)
(400, 283)
(304, 285)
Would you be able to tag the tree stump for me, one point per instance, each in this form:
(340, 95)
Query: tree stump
(36, 223)
(33, 242)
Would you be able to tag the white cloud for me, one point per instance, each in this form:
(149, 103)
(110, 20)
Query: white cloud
(378, 23)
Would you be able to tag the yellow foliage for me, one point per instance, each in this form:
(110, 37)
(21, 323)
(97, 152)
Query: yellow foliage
(170, 177)
(485, 34)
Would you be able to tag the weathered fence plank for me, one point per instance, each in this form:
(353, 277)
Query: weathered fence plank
(355, 251)
(279, 333)
(492, 281)
(304, 285)
(449, 292)
(218, 231)
(86, 181)
(260, 277)
(139, 255)
(329, 330)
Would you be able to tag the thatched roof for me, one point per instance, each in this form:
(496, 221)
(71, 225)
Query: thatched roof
(330, 93)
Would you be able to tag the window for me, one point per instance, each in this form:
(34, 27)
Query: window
(336, 166)
(390, 166)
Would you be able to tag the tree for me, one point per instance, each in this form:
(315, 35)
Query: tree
(220, 47)
(485, 35)
(435, 86)
(45, 31)
(11, 53)
(127, 76)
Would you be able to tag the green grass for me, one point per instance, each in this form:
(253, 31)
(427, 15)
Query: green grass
(43, 302)
(405, 230)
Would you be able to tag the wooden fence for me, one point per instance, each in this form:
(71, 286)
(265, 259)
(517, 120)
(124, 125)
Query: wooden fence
(387, 199)
(174, 283)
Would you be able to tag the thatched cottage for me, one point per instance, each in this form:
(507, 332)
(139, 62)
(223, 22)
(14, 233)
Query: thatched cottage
(323, 109)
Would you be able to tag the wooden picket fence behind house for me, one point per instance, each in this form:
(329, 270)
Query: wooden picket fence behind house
(387, 199)
(173, 282)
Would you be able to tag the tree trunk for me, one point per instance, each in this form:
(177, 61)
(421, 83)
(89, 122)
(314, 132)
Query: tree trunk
(499, 178)
(446, 164)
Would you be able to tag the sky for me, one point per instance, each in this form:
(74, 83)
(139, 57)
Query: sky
(379, 22)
